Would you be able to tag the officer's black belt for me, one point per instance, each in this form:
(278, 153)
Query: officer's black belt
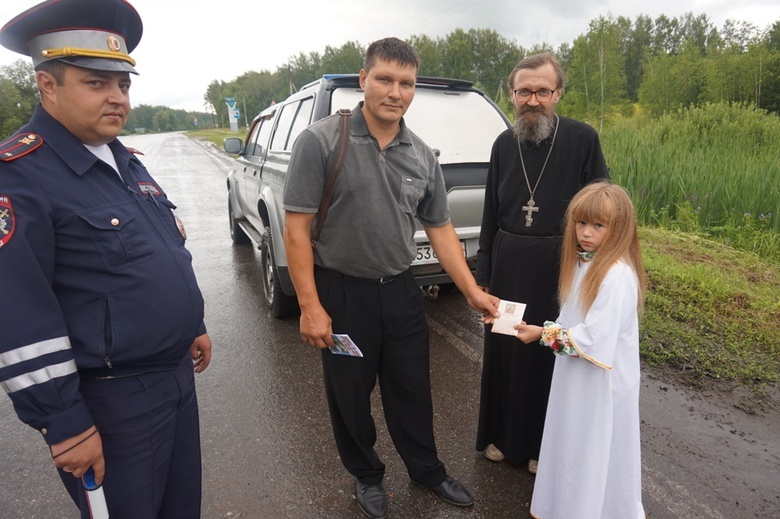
(114, 373)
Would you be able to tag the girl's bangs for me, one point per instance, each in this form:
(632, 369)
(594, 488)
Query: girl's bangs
(593, 209)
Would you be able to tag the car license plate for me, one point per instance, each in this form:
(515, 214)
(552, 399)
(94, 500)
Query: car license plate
(425, 254)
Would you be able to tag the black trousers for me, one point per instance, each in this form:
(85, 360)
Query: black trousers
(387, 322)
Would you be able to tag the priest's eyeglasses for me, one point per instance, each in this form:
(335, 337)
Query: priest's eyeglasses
(543, 94)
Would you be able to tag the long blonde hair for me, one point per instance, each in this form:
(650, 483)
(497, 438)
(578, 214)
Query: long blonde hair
(609, 204)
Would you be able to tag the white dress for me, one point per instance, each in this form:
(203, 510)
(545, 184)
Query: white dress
(590, 463)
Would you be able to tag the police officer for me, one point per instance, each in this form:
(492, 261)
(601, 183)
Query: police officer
(100, 312)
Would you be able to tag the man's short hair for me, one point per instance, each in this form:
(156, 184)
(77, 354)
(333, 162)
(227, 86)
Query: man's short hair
(54, 67)
(535, 61)
(391, 49)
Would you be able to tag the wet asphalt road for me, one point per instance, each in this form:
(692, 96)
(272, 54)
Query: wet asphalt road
(268, 450)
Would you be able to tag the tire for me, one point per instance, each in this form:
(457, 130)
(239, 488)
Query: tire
(280, 304)
(237, 234)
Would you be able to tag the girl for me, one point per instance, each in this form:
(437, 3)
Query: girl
(589, 464)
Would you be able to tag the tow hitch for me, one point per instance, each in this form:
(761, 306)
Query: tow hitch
(430, 292)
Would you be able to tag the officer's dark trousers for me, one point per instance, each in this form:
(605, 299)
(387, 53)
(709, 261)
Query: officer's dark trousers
(151, 443)
(387, 322)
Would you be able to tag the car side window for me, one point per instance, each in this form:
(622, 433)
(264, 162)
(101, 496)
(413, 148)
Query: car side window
(258, 140)
(293, 119)
(279, 140)
(302, 120)
(261, 142)
(251, 143)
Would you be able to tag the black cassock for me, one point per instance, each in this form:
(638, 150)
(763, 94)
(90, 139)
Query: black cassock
(521, 263)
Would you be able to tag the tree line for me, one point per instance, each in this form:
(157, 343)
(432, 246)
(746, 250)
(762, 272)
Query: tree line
(618, 68)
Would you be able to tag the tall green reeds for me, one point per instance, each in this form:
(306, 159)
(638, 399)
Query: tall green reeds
(713, 169)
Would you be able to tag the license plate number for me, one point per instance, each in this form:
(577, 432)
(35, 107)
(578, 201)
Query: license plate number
(425, 254)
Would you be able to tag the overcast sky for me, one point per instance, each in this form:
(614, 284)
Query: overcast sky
(189, 43)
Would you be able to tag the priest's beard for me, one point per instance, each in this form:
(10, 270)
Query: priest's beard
(533, 124)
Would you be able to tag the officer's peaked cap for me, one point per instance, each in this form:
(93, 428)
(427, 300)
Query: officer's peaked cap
(94, 34)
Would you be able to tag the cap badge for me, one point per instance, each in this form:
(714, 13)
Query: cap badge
(114, 44)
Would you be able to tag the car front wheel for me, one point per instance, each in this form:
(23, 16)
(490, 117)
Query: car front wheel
(280, 304)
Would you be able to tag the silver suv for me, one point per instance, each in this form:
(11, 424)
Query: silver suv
(455, 119)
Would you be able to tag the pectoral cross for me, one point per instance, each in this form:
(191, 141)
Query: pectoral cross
(530, 209)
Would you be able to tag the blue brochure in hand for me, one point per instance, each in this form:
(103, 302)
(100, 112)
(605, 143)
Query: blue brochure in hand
(343, 345)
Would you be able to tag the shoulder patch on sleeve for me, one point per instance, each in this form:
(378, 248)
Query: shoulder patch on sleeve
(7, 220)
(19, 145)
(133, 151)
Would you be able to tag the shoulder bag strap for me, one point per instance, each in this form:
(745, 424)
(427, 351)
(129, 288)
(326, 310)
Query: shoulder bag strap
(333, 174)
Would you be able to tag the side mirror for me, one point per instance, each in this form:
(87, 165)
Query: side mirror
(233, 145)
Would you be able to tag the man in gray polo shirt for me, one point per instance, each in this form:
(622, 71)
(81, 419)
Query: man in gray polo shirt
(357, 281)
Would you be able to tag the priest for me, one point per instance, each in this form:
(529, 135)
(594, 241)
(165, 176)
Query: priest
(536, 168)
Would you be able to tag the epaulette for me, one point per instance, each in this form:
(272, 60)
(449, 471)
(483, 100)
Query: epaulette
(133, 151)
(19, 145)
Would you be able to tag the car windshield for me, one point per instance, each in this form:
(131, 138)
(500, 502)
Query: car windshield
(461, 125)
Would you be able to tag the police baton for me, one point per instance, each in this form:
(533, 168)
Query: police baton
(96, 499)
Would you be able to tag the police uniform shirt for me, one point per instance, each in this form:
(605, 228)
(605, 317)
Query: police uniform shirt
(94, 272)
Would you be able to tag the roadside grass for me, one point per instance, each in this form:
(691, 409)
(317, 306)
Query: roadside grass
(216, 136)
(706, 184)
(712, 311)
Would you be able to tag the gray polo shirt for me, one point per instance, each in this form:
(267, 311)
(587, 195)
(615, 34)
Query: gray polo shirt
(369, 230)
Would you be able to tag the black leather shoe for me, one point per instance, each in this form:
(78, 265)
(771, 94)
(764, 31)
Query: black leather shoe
(453, 492)
(372, 500)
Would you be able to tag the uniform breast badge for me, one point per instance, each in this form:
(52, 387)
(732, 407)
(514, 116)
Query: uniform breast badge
(149, 188)
(180, 226)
